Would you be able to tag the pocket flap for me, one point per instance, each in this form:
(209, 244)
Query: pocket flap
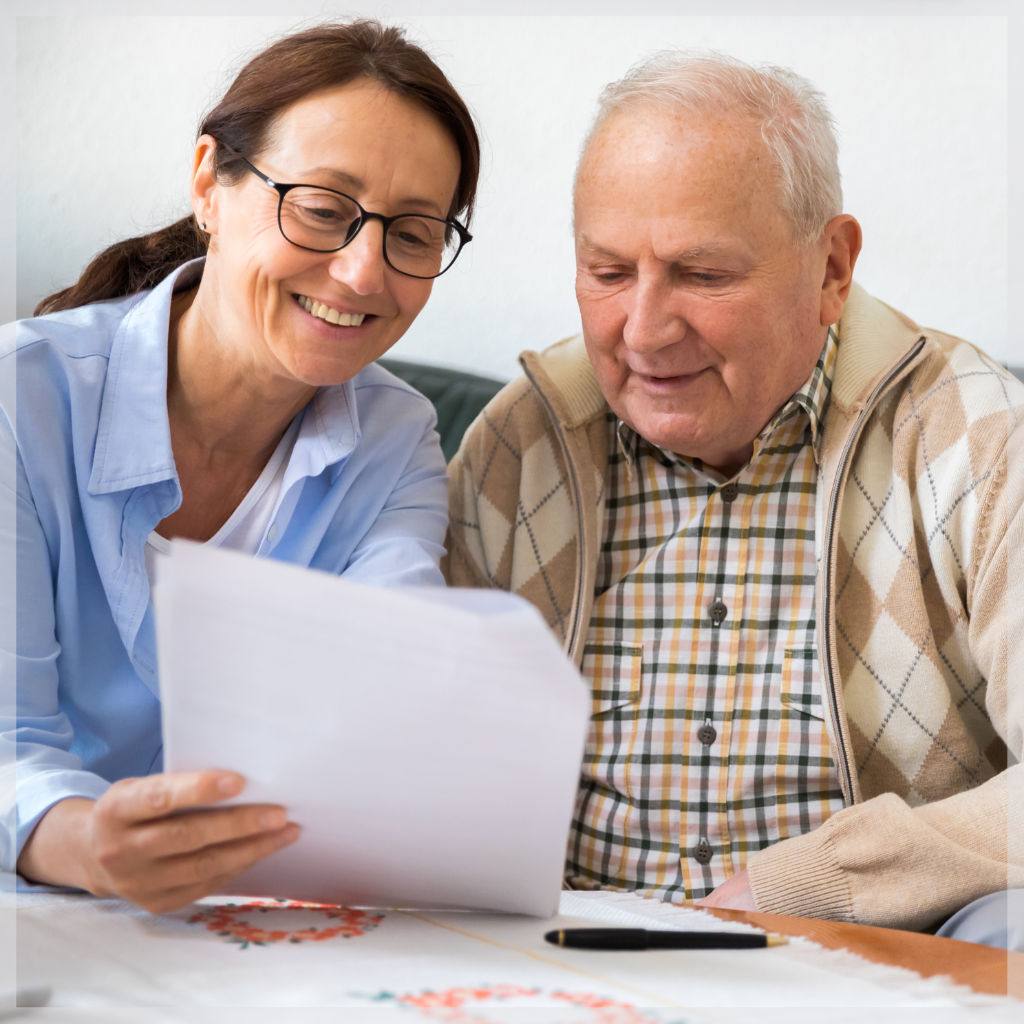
(613, 671)
(800, 687)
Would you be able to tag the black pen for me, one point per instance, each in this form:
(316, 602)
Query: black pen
(641, 938)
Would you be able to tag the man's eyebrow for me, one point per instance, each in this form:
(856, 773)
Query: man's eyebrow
(350, 184)
(592, 249)
(692, 255)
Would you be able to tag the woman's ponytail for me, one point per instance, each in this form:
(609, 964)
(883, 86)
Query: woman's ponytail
(131, 266)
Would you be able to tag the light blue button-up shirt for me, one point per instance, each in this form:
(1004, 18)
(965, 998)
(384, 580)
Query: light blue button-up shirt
(87, 471)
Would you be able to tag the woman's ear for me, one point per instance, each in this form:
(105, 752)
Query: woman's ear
(205, 188)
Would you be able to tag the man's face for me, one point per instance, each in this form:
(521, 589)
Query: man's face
(701, 315)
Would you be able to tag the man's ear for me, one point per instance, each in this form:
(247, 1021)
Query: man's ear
(842, 240)
(204, 184)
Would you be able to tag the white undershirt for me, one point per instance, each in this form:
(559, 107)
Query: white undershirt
(247, 526)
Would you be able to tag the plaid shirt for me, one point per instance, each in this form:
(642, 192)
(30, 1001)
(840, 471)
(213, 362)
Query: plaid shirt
(708, 740)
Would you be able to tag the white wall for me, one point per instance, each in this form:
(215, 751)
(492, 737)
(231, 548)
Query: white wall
(108, 109)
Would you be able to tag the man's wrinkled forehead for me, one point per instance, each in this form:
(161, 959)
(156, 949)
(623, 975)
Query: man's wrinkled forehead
(659, 121)
(654, 163)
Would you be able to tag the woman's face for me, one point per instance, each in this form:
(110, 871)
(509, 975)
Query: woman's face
(389, 154)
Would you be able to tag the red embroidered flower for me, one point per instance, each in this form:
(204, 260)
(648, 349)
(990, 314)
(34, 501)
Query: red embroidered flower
(452, 1005)
(233, 922)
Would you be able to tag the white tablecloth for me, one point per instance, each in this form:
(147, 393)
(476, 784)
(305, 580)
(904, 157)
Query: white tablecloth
(227, 961)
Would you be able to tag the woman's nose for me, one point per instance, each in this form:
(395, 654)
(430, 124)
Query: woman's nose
(360, 265)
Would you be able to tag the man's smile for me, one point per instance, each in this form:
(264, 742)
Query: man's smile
(666, 383)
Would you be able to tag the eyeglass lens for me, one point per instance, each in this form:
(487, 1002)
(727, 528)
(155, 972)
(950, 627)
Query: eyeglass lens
(325, 221)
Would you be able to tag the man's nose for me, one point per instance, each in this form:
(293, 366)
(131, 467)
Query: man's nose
(360, 265)
(653, 319)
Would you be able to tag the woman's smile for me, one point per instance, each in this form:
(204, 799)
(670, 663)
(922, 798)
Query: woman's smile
(331, 314)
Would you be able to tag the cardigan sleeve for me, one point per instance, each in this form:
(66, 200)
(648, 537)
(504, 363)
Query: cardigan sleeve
(885, 863)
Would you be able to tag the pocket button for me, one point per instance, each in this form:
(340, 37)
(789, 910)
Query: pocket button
(702, 852)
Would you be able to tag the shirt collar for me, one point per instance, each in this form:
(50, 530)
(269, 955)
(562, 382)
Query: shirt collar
(329, 432)
(812, 398)
(133, 440)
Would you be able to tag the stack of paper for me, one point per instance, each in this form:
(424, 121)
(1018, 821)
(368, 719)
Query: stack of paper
(427, 741)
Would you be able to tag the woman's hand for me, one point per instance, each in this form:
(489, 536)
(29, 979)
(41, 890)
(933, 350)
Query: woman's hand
(131, 843)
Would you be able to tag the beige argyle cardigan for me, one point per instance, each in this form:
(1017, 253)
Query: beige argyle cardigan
(920, 600)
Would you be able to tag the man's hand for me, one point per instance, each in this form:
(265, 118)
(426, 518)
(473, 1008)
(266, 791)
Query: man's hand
(734, 894)
(131, 843)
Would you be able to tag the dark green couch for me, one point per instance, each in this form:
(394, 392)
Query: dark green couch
(458, 397)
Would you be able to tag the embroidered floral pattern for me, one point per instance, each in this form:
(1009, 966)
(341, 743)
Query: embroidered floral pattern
(240, 923)
(453, 1005)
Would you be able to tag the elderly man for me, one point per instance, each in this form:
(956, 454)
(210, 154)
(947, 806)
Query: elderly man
(773, 521)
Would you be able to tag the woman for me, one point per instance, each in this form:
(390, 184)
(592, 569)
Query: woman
(215, 381)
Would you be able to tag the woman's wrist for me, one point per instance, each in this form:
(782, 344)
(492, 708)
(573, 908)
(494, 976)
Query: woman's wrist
(58, 851)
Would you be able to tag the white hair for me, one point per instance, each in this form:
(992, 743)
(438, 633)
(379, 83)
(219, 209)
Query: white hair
(794, 121)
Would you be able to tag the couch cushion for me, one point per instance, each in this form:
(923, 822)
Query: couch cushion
(458, 397)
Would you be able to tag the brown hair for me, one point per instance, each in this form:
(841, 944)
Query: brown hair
(294, 67)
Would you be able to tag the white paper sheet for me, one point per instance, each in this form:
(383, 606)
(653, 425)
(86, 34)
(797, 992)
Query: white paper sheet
(427, 741)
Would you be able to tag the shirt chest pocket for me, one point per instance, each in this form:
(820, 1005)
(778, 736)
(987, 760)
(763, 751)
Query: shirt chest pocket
(801, 688)
(613, 672)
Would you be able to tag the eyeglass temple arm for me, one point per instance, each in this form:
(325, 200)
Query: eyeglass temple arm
(269, 182)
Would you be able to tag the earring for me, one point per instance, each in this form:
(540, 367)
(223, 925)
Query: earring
(203, 225)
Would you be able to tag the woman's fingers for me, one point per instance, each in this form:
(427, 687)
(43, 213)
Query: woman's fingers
(133, 800)
(205, 869)
(167, 900)
(187, 832)
(145, 851)
(136, 800)
(174, 899)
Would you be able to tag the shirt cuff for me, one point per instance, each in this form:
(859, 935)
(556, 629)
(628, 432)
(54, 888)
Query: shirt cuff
(36, 794)
(801, 877)
(10, 882)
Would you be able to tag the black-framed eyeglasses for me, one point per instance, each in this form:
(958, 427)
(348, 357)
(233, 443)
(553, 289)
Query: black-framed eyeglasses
(325, 220)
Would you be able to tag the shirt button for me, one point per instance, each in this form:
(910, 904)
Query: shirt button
(730, 492)
(718, 612)
(702, 852)
(707, 734)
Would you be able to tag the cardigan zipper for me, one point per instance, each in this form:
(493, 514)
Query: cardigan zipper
(833, 515)
(577, 493)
